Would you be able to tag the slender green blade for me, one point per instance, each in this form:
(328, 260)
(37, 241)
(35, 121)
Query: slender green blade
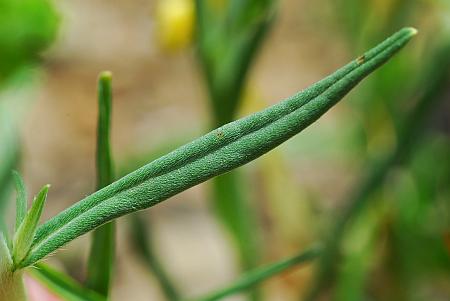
(101, 258)
(23, 238)
(62, 285)
(104, 161)
(218, 152)
(21, 199)
(257, 276)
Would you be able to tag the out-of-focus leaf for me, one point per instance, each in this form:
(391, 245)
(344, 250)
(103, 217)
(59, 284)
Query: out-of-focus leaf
(62, 285)
(359, 255)
(258, 275)
(26, 28)
(226, 55)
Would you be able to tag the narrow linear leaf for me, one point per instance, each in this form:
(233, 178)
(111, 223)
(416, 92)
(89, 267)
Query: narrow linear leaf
(219, 151)
(21, 199)
(257, 276)
(104, 161)
(23, 238)
(62, 285)
(101, 257)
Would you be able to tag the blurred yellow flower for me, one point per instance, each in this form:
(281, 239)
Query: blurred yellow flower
(175, 23)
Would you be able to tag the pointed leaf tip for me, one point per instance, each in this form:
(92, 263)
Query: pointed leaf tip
(105, 75)
(24, 235)
(413, 31)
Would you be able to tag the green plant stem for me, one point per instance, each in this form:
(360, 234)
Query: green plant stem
(143, 243)
(11, 282)
(101, 258)
(411, 129)
(12, 287)
(217, 152)
(256, 276)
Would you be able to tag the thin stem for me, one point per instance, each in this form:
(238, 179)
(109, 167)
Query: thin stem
(261, 274)
(11, 282)
(63, 285)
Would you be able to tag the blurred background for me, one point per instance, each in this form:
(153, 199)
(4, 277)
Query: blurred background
(180, 69)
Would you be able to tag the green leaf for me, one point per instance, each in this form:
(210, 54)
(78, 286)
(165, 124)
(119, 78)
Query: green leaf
(219, 151)
(62, 285)
(23, 237)
(104, 161)
(257, 276)
(21, 39)
(21, 199)
(227, 47)
(101, 258)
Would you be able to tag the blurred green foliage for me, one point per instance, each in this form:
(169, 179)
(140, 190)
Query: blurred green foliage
(392, 249)
(402, 254)
(26, 28)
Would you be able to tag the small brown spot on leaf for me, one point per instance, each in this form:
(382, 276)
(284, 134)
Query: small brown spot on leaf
(219, 134)
(361, 59)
